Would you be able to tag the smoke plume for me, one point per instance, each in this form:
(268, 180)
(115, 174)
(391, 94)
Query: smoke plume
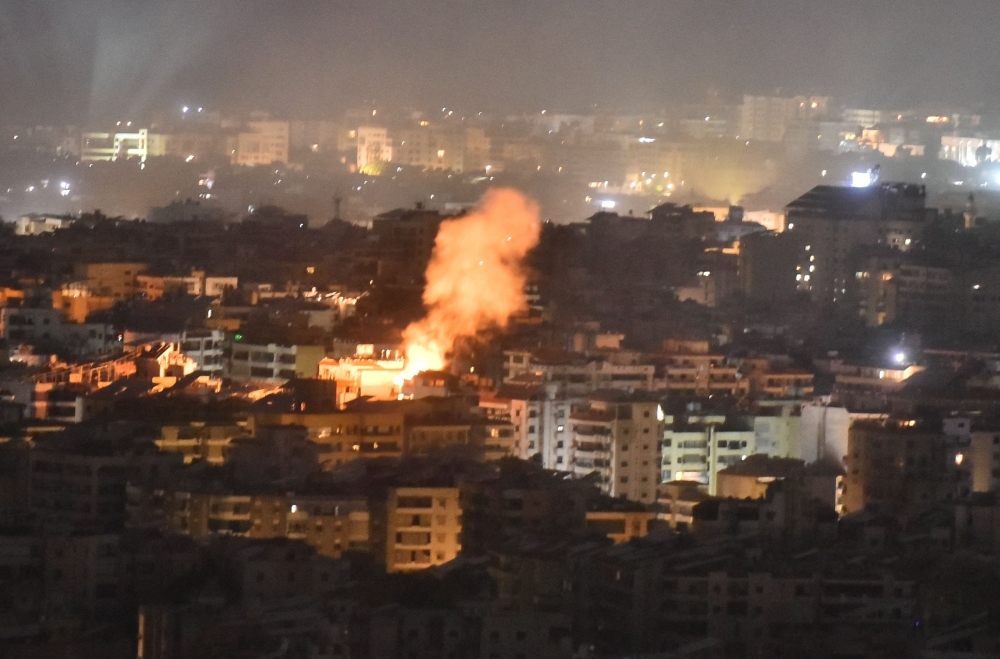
(475, 279)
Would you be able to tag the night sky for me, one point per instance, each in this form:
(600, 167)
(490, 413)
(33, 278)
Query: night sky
(63, 60)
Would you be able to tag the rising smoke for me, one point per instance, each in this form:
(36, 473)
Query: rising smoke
(475, 279)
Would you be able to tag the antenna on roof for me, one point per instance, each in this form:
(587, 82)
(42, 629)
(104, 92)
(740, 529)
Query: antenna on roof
(337, 200)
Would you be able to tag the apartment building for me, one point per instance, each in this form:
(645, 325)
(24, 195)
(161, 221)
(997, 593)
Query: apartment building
(579, 374)
(690, 368)
(418, 527)
(200, 441)
(116, 280)
(836, 224)
(329, 524)
(617, 437)
(895, 465)
(207, 348)
(363, 377)
(262, 143)
(429, 148)
(539, 415)
(33, 325)
(374, 148)
(620, 525)
(346, 436)
(696, 447)
(893, 290)
(154, 287)
(84, 482)
(273, 363)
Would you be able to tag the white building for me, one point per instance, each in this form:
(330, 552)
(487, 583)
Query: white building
(34, 225)
(698, 447)
(107, 147)
(374, 147)
(263, 143)
(969, 151)
(825, 429)
(540, 416)
(28, 325)
(862, 117)
(207, 348)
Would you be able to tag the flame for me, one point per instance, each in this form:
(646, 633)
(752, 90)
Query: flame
(475, 279)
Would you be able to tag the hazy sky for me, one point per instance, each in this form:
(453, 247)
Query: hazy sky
(76, 59)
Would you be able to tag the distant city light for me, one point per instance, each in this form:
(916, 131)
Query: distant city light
(647, 140)
(861, 179)
(899, 357)
(185, 109)
(608, 204)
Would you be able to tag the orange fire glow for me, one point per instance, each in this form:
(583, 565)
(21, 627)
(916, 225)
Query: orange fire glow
(475, 279)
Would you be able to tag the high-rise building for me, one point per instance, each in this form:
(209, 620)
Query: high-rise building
(618, 438)
(835, 224)
(767, 266)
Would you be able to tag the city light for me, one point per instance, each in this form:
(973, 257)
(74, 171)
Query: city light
(861, 179)
(607, 204)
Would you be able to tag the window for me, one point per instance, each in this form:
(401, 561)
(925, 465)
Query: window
(624, 480)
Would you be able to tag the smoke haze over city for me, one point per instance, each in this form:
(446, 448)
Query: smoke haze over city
(72, 61)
